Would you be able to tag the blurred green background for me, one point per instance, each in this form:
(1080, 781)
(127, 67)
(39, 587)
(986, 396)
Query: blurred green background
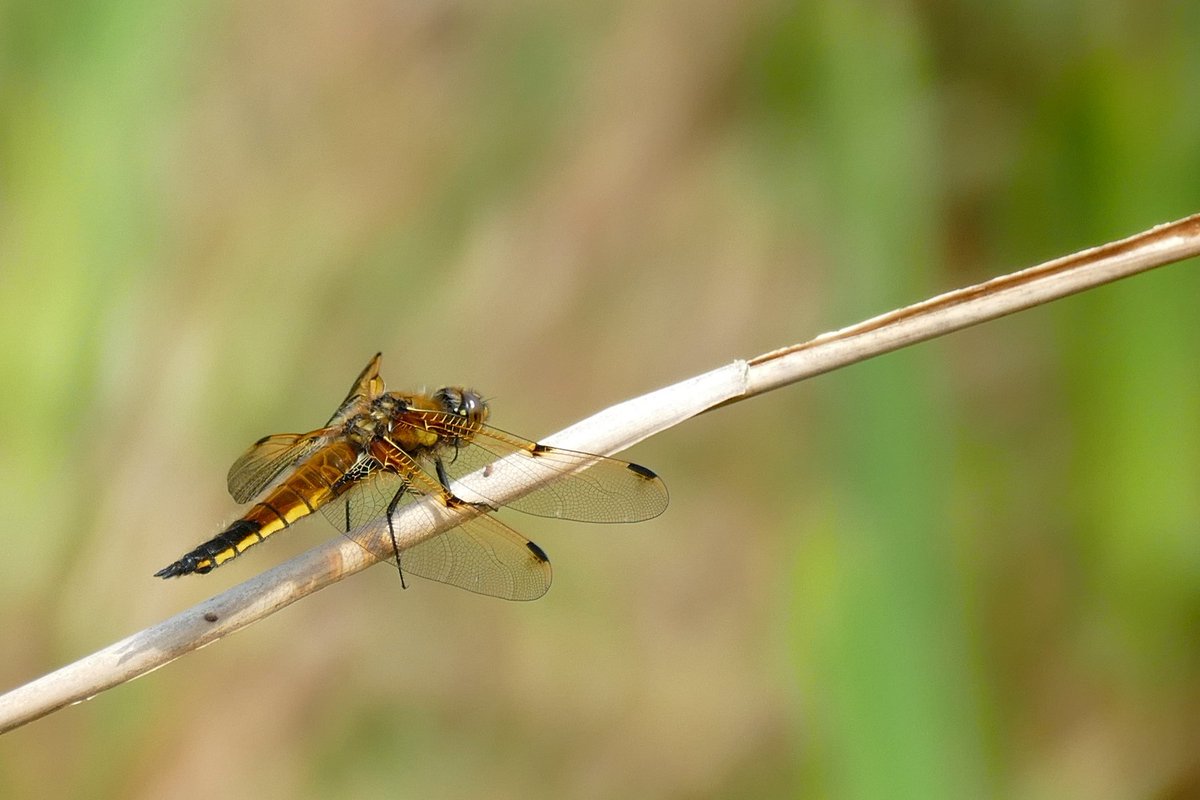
(969, 569)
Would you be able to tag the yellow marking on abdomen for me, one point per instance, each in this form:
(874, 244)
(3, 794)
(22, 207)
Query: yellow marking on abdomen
(305, 491)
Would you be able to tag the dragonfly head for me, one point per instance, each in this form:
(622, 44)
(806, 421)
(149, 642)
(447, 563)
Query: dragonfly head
(465, 403)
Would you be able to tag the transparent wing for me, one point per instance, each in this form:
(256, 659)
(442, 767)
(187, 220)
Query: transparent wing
(482, 555)
(365, 500)
(366, 387)
(268, 457)
(485, 556)
(574, 485)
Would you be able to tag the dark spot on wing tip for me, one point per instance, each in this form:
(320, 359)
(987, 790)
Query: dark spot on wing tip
(644, 472)
(210, 616)
(538, 552)
(538, 449)
(263, 439)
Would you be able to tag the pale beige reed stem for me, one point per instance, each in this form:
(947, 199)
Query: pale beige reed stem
(607, 432)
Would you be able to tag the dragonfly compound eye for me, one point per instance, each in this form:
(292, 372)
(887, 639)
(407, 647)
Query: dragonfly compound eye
(473, 407)
(466, 403)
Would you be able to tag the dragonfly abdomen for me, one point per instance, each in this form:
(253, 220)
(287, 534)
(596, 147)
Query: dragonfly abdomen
(311, 486)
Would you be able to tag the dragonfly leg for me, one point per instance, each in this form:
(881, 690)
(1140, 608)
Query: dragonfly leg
(453, 500)
(443, 478)
(391, 509)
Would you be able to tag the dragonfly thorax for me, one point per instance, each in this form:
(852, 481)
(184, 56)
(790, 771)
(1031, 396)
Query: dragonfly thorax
(420, 424)
(362, 428)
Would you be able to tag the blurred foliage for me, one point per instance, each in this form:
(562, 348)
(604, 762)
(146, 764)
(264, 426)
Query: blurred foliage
(970, 569)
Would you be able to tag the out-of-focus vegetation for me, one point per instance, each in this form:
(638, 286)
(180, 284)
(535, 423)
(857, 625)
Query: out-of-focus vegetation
(971, 569)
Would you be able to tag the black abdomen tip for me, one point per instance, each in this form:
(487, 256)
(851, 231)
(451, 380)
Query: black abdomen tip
(189, 564)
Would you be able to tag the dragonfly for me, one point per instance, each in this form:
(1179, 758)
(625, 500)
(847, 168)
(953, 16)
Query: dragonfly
(381, 452)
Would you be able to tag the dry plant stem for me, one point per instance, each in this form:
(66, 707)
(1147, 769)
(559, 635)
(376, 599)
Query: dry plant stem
(607, 432)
